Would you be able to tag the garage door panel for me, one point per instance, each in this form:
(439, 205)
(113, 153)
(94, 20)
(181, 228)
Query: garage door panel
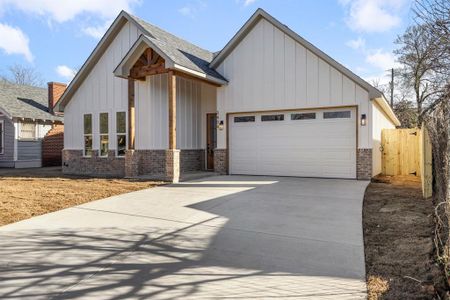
(312, 148)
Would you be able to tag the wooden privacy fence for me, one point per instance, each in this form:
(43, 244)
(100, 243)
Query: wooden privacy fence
(408, 152)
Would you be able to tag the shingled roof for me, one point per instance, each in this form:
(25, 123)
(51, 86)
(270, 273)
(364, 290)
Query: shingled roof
(180, 51)
(24, 101)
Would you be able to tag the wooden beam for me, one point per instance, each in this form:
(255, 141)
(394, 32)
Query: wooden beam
(131, 115)
(142, 71)
(172, 110)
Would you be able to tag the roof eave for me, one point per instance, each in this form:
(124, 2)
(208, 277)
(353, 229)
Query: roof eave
(382, 102)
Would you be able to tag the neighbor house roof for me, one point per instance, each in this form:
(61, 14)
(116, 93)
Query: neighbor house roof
(24, 101)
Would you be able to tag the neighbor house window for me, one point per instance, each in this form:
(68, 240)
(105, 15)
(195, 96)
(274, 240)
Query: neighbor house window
(303, 116)
(87, 123)
(337, 114)
(121, 130)
(265, 118)
(27, 131)
(104, 138)
(2, 136)
(244, 119)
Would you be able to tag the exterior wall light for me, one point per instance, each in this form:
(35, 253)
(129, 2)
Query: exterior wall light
(220, 125)
(363, 120)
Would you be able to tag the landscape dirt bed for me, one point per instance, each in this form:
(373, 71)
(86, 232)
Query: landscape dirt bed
(25, 193)
(398, 232)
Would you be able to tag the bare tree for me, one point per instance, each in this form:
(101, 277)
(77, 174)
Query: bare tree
(433, 16)
(23, 75)
(417, 55)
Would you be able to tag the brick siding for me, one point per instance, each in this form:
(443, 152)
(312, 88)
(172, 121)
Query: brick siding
(52, 146)
(110, 166)
(220, 161)
(364, 164)
(192, 160)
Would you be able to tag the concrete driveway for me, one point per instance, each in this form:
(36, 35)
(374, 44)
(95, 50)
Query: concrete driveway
(232, 237)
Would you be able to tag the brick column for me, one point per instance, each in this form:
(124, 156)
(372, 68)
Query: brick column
(364, 164)
(172, 165)
(131, 163)
(220, 161)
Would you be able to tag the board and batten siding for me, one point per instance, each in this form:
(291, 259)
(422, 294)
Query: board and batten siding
(8, 153)
(268, 70)
(100, 92)
(194, 100)
(380, 122)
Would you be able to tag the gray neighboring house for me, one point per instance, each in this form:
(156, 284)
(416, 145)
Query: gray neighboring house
(25, 118)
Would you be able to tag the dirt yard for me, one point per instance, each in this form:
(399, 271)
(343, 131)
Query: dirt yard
(398, 230)
(25, 193)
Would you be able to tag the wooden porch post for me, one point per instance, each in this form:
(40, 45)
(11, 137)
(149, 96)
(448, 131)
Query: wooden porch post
(131, 115)
(172, 111)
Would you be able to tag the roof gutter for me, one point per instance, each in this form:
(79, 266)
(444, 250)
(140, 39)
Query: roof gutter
(382, 102)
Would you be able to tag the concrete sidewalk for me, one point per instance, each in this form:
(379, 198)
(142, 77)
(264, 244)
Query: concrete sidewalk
(238, 237)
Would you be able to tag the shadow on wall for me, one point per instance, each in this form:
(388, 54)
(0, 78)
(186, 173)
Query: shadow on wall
(241, 247)
(52, 146)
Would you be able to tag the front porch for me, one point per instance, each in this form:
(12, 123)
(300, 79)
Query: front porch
(171, 117)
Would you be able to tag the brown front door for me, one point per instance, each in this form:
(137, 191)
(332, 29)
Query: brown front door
(211, 139)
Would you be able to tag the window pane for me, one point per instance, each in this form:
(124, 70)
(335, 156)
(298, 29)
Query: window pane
(337, 114)
(103, 145)
(104, 123)
(303, 116)
(27, 130)
(88, 145)
(121, 144)
(244, 119)
(272, 118)
(121, 126)
(88, 124)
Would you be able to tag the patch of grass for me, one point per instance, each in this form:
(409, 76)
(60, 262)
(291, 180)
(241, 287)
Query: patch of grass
(32, 192)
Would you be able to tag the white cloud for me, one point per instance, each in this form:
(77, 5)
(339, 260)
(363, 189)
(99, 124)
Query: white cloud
(14, 41)
(62, 11)
(186, 11)
(66, 72)
(192, 8)
(357, 44)
(373, 15)
(249, 2)
(97, 31)
(381, 59)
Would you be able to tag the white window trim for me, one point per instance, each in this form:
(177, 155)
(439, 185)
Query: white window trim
(102, 134)
(20, 138)
(117, 133)
(85, 135)
(2, 137)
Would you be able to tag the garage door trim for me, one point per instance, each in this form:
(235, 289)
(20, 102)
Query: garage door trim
(354, 107)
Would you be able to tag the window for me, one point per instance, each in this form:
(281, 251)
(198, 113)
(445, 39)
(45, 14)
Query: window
(104, 138)
(272, 118)
(2, 136)
(121, 130)
(27, 131)
(337, 114)
(244, 119)
(87, 123)
(303, 116)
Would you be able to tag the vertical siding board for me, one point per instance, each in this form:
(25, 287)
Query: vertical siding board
(289, 71)
(324, 83)
(312, 84)
(268, 57)
(279, 98)
(300, 69)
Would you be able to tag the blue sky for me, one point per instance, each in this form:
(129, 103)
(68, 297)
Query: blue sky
(56, 36)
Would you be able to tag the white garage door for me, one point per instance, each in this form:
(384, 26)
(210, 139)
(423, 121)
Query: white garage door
(319, 143)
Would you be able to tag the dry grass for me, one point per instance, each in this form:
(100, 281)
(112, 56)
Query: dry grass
(398, 231)
(32, 192)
